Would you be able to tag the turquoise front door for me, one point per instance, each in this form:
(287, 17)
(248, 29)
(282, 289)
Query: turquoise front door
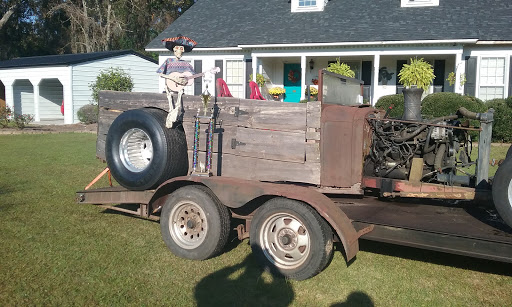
(292, 73)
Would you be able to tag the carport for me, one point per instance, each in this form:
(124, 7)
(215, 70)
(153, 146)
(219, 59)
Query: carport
(40, 85)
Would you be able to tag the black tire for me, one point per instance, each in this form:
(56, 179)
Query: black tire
(152, 153)
(502, 191)
(194, 224)
(291, 239)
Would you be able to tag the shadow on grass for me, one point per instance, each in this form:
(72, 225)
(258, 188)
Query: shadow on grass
(356, 298)
(440, 258)
(243, 284)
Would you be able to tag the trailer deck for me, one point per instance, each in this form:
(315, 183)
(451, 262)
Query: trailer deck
(466, 229)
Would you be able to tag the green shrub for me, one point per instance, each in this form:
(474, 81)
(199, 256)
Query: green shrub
(88, 114)
(5, 113)
(397, 100)
(114, 79)
(22, 120)
(442, 104)
(502, 125)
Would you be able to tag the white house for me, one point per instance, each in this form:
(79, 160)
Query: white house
(290, 40)
(39, 85)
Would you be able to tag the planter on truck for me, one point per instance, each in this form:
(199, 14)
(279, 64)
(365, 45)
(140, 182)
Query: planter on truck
(302, 176)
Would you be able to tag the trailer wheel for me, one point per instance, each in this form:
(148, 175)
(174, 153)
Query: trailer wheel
(502, 191)
(194, 224)
(142, 153)
(291, 239)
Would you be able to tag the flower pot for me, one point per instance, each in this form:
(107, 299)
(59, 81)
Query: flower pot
(277, 97)
(412, 103)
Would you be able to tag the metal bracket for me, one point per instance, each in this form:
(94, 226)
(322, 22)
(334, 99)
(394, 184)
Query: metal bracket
(235, 143)
(365, 230)
(239, 112)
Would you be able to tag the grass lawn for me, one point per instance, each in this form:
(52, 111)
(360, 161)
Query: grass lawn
(56, 252)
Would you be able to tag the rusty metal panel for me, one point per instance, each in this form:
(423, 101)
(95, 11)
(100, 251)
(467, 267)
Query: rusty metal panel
(345, 138)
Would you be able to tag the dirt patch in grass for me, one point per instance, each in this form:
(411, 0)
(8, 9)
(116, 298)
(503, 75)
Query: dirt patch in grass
(40, 129)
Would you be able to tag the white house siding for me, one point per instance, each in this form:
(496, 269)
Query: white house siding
(143, 73)
(50, 100)
(23, 93)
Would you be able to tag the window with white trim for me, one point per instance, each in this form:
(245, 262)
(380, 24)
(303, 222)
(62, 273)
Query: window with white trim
(417, 3)
(235, 77)
(308, 5)
(491, 82)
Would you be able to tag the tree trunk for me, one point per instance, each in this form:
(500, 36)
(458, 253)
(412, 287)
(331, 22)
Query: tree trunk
(7, 15)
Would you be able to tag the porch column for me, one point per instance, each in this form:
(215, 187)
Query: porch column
(9, 93)
(375, 80)
(254, 67)
(460, 68)
(35, 85)
(303, 64)
(67, 87)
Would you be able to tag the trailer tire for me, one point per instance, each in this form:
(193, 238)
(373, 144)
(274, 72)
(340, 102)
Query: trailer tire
(502, 191)
(291, 239)
(194, 224)
(142, 153)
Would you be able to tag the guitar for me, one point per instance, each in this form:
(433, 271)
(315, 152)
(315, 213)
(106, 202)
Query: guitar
(173, 86)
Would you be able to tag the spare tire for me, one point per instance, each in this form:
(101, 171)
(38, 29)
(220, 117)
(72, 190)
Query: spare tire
(502, 191)
(142, 153)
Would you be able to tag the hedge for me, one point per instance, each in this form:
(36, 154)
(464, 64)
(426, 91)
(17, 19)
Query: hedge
(442, 104)
(502, 125)
(397, 100)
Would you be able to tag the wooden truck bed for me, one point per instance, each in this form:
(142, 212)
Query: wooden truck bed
(254, 139)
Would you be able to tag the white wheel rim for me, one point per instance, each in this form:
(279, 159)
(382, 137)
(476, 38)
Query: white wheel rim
(136, 150)
(188, 225)
(510, 193)
(285, 239)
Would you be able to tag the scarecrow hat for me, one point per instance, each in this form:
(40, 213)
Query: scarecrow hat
(179, 40)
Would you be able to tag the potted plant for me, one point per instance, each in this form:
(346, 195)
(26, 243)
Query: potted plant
(341, 69)
(260, 79)
(416, 77)
(313, 92)
(277, 92)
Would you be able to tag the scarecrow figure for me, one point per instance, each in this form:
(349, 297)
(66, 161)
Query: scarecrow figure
(172, 70)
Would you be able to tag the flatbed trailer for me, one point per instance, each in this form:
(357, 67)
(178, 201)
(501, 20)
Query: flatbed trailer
(466, 230)
(294, 178)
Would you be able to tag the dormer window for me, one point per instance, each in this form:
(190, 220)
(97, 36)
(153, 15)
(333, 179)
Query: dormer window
(417, 3)
(308, 5)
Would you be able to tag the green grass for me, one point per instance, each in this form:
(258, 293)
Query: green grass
(56, 252)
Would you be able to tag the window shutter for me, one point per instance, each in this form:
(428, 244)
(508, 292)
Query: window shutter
(198, 82)
(220, 74)
(510, 78)
(248, 72)
(470, 86)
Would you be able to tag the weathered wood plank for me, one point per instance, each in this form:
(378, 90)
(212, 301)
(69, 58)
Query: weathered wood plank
(264, 114)
(313, 114)
(221, 138)
(270, 144)
(100, 149)
(269, 170)
(313, 152)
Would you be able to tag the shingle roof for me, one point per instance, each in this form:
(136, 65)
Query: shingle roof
(67, 59)
(229, 23)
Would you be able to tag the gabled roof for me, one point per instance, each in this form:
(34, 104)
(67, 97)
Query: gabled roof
(230, 23)
(67, 59)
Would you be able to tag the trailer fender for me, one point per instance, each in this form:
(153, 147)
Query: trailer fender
(234, 193)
